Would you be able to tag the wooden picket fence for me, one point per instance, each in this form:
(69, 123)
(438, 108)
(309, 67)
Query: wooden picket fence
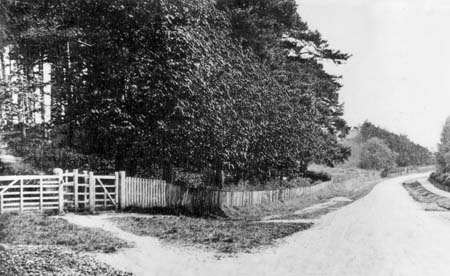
(152, 193)
(85, 191)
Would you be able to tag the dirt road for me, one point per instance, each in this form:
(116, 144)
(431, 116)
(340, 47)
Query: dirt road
(385, 233)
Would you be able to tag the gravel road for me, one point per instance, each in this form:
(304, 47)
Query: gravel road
(384, 233)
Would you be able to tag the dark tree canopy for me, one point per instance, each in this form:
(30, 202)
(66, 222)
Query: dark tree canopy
(234, 86)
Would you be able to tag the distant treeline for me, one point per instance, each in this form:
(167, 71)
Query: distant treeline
(407, 152)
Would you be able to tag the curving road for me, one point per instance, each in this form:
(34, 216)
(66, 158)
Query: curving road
(384, 233)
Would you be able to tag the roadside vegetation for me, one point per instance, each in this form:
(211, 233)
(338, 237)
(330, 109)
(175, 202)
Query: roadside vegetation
(442, 174)
(36, 244)
(375, 148)
(420, 194)
(375, 154)
(220, 235)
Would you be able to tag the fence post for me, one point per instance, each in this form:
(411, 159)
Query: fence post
(1, 204)
(61, 191)
(85, 186)
(116, 187)
(91, 192)
(122, 189)
(41, 195)
(75, 189)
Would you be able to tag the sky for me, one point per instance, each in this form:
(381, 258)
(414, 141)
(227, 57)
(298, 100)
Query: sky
(399, 74)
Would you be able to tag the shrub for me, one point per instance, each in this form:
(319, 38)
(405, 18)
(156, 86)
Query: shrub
(375, 154)
(40, 154)
(441, 177)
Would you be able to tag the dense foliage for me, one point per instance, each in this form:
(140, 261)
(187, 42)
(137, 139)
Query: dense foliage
(443, 154)
(208, 87)
(409, 153)
(376, 155)
(440, 177)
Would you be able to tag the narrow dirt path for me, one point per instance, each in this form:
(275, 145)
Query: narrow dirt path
(384, 233)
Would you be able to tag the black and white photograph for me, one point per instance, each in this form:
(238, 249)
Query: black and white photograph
(224, 138)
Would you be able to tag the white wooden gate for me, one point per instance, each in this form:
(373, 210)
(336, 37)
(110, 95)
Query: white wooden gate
(68, 191)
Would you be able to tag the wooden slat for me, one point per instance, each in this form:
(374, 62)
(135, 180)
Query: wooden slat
(37, 198)
(1, 204)
(111, 177)
(147, 195)
(116, 189)
(21, 195)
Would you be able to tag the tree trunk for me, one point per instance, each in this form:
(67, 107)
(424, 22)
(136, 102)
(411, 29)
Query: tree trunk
(168, 172)
(119, 159)
(219, 177)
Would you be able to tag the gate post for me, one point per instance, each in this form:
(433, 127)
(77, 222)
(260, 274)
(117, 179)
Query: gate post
(122, 190)
(85, 189)
(116, 187)
(75, 189)
(91, 192)
(61, 191)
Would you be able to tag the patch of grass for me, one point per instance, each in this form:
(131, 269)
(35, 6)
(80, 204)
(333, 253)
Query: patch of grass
(345, 173)
(222, 235)
(20, 260)
(352, 189)
(420, 194)
(39, 229)
(37, 244)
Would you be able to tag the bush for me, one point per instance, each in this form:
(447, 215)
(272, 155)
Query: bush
(441, 177)
(385, 173)
(44, 155)
(375, 154)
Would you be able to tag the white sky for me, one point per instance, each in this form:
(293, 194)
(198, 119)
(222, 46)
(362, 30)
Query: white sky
(399, 75)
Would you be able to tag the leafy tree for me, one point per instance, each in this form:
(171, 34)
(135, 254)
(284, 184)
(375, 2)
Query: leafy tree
(443, 154)
(375, 154)
(232, 86)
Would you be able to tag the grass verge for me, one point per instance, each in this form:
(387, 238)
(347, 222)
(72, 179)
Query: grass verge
(20, 260)
(36, 244)
(353, 189)
(420, 194)
(221, 235)
(38, 229)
